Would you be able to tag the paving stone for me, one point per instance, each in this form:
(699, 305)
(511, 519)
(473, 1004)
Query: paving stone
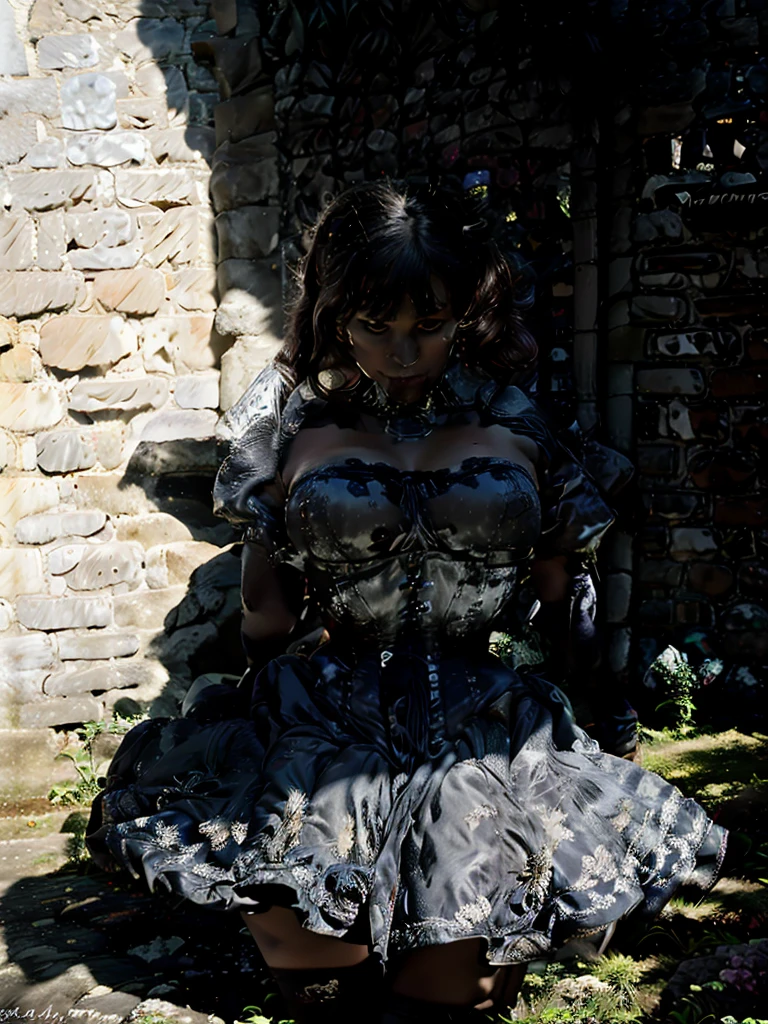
(679, 380)
(107, 150)
(111, 227)
(60, 711)
(173, 425)
(184, 144)
(20, 364)
(72, 342)
(193, 288)
(88, 101)
(63, 612)
(250, 232)
(127, 393)
(139, 291)
(32, 292)
(183, 343)
(45, 527)
(142, 112)
(95, 645)
(200, 391)
(105, 257)
(108, 675)
(51, 242)
(30, 96)
(68, 51)
(48, 190)
(147, 609)
(177, 236)
(65, 557)
(21, 572)
(27, 407)
(13, 59)
(169, 564)
(64, 451)
(108, 1008)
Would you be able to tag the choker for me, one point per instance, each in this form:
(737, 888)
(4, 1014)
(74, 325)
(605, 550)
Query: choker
(403, 422)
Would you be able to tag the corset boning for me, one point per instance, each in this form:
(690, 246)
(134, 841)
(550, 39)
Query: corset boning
(391, 554)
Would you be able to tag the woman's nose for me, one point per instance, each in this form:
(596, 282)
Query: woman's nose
(405, 350)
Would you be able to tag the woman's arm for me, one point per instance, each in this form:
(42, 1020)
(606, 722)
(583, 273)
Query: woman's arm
(271, 599)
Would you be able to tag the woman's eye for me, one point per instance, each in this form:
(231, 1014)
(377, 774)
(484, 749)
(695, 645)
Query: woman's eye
(430, 325)
(374, 327)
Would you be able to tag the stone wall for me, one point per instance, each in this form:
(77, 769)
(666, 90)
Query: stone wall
(116, 582)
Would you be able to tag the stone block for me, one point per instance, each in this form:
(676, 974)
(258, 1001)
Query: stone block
(671, 381)
(112, 493)
(45, 527)
(109, 445)
(72, 342)
(48, 190)
(21, 572)
(712, 580)
(110, 227)
(60, 711)
(151, 530)
(123, 393)
(175, 563)
(33, 292)
(139, 292)
(198, 391)
(244, 116)
(241, 363)
(51, 613)
(68, 51)
(189, 342)
(18, 137)
(88, 101)
(20, 364)
(744, 382)
(184, 144)
(179, 424)
(660, 571)
(176, 186)
(147, 609)
(63, 451)
(752, 511)
(51, 243)
(95, 645)
(251, 299)
(34, 406)
(193, 288)
(245, 173)
(102, 565)
(105, 257)
(30, 96)
(109, 150)
(64, 558)
(47, 153)
(187, 455)
(150, 39)
(177, 236)
(85, 677)
(142, 112)
(22, 656)
(17, 234)
(250, 232)
(30, 766)
(691, 543)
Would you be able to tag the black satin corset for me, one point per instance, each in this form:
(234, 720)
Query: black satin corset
(356, 511)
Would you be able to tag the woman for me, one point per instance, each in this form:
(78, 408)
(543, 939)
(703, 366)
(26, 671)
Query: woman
(397, 793)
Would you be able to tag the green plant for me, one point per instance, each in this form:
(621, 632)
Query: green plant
(82, 791)
(622, 974)
(678, 683)
(257, 1017)
(152, 1018)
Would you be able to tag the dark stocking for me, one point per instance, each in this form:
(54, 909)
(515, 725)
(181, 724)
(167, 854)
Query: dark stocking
(332, 995)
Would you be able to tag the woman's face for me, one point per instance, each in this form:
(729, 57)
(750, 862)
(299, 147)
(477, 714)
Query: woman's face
(407, 355)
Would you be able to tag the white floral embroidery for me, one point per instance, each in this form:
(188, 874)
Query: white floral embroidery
(477, 814)
(217, 831)
(595, 869)
(345, 841)
(286, 835)
(621, 820)
(470, 914)
(239, 831)
(553, 821)
(168, 836)
(210, 871)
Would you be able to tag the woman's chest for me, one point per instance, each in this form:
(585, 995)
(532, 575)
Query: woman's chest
(357, 510)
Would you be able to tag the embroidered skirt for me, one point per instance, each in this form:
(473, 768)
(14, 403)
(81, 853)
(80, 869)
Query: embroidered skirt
(403, 802)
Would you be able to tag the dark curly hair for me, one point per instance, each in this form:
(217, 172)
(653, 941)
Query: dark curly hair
(379, 241)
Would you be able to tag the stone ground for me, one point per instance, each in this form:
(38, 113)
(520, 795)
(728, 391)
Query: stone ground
(78, 944)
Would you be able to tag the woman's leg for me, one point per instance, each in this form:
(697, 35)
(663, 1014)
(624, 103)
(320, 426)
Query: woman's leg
(320, 978)
(448, 983)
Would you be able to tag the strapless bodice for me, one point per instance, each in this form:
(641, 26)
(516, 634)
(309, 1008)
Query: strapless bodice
(390, 552)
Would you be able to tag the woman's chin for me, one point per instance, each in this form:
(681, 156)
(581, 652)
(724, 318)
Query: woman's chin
(407, 390)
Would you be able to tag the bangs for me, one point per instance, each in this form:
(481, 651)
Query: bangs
(379, 280)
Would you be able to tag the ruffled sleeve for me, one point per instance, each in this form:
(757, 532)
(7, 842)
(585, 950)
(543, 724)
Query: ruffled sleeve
(578, 476)
(253, 436)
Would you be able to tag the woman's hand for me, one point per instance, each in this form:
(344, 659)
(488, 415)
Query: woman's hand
(550, 579)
